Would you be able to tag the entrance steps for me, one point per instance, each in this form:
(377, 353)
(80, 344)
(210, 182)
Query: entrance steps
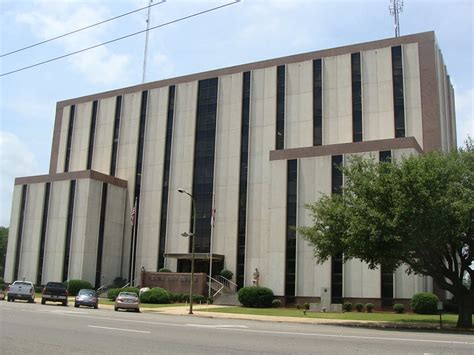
(227, 299)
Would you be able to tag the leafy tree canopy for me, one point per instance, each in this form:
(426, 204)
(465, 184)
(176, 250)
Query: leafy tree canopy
(418, 212)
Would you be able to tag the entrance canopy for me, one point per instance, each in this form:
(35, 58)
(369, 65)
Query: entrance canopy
(197, 256)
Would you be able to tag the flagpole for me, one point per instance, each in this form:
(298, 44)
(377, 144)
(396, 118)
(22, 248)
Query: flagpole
(132, 244)
(213, 211)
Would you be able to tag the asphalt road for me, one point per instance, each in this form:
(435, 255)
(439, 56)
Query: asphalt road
(54, 329)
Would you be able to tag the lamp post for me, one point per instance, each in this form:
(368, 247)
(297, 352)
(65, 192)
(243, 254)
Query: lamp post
(192, 236)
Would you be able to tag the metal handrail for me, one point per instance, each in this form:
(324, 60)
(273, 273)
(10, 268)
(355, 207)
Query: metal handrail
(220, 287)
(128, 284)
(101, 289)
(226, 282)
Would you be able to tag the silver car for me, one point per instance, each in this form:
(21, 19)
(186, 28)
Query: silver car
(127, 300)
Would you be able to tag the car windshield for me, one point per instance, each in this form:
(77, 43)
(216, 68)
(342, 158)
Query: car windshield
(21, 283)
(127, 294)
(54, 284)
(86, 292)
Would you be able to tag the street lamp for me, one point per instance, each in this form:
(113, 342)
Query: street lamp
(192, 236)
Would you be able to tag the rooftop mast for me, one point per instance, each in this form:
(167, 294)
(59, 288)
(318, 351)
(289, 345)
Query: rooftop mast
(396, 6)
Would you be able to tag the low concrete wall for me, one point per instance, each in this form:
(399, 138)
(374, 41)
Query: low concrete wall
(175, 282)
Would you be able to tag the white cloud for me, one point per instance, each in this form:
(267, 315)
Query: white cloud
(464, 103)
(100, 65)
(15, 161)
(159, 67)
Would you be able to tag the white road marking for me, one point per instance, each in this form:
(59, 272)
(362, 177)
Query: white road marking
(215, 326)
(322, 335)
(120, 329)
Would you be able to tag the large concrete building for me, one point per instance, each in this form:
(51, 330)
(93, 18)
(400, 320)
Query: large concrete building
(253, 144)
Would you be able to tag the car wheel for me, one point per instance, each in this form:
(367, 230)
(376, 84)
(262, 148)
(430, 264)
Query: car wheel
(31, 300)
(96, 306)
(137, 310)
(65, 304)
(75, 305)
(43, 301)
(13, 300)
(116, 308)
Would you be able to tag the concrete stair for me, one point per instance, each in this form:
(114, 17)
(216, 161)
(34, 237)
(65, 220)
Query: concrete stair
(227, 299)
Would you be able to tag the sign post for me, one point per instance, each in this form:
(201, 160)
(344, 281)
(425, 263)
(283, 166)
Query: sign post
(440, 310)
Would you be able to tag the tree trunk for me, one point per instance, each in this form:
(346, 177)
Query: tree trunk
(466, 307)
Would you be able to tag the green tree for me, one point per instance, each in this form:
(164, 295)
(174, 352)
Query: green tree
(418, 212)
(3, 248)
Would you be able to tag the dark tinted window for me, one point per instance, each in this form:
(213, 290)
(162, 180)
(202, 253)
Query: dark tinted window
(356, 98)
(398, 100)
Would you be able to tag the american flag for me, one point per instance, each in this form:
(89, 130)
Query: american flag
(133, 213)
(213, 217)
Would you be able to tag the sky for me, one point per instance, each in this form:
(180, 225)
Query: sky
(244, 32)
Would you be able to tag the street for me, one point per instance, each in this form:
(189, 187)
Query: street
(53, 329)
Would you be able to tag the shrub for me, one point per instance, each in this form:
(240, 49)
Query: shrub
(164, 270)
(298, 306)
(113, 293)
(180, 297)
(156, 295)
(227, 274)
(399, 308)
(306, 306)
(424, 303)
(119, 282)
(255, 296)
(38, 289)
(359, 307)
(369, 307)
(2, 281)
(73, 286)
(276, 303)
(347, 306)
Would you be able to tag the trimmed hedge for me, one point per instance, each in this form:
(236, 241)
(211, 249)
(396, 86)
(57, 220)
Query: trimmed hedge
(113, 293)
(227, 274)
(74, 286)
(256, 297)
(369, 307)
(425, 303)
(399, 308)
(276, 303)
(156, 295)
(347, 307)
(359, 307)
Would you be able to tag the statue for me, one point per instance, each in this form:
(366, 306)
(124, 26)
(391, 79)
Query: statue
(256, 276)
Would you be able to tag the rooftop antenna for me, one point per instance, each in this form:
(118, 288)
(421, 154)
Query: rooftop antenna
(145, 55)
(396, 6)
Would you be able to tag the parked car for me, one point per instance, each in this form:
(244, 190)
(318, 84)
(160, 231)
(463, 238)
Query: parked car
(86, 297)
(21, 290)
(127, 300)
(54, 292)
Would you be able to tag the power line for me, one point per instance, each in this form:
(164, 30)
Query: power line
(120, 38)
(79, 29)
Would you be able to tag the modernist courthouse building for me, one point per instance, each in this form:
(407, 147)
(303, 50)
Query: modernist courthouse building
(254, 143)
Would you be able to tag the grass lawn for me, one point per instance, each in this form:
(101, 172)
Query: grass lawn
(375, 316)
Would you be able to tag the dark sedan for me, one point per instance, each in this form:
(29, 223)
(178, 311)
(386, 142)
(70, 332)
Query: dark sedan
(87, 298)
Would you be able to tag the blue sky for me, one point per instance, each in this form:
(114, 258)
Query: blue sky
(247, 31)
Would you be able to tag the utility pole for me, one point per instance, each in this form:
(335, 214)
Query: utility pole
(145, 55)
(395, 7)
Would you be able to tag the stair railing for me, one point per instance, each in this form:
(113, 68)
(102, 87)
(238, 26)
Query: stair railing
(231, 286)
(216, 285)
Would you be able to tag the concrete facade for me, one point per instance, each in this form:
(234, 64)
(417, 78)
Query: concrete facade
(429, 124)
